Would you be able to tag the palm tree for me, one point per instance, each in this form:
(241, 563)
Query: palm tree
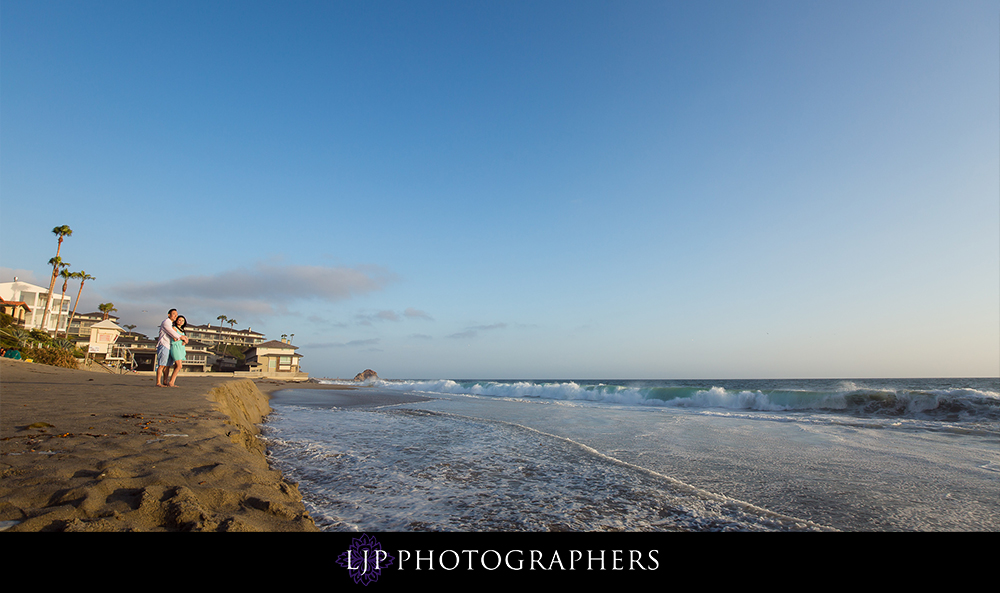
(231, 323)
(58, 266)
(83, 276)
(222, 319)
(66, 275)
(61, 232)
(64, 344)
(106, 308)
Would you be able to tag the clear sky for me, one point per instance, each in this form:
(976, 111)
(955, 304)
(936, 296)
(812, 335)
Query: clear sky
(504, 189)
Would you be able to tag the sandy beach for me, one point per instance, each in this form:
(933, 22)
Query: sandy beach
(90, 451)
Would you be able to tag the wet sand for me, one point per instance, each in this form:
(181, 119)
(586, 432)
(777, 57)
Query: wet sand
(92, 451)
(320, 395)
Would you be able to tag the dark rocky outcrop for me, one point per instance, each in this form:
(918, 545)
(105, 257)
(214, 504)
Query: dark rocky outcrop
(365, 375)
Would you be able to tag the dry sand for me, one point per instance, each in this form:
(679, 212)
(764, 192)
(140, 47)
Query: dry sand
(87, 451)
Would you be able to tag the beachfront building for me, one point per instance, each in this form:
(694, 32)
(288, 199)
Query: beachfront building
(82, 322)
(272, 358)
(213, 336)
(143, 350)
(33, 299)
(16, 309)
(198, 358)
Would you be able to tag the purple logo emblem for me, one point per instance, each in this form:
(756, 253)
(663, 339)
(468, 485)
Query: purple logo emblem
(365, 559)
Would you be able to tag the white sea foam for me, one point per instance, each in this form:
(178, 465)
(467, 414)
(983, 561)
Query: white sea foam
(384, 470)
(501, 459)
(892, 398)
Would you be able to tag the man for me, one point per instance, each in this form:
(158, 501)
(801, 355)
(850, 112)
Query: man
(167, 333)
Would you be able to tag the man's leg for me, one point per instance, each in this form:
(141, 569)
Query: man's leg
(163, 368)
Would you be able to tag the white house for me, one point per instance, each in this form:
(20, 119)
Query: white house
(273, 359)
(34, 297)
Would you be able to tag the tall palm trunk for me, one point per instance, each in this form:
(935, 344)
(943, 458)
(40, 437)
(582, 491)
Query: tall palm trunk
(58, 264)
(83, 276)
(61, 232)
(52, 287)
(66, 276)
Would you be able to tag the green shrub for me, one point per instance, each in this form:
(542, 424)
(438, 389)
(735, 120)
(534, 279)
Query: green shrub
(234, 351)
(40, 336)
(14, 337)
(51, 356)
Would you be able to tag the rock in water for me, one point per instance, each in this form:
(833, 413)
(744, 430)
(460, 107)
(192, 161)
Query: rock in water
(366, 375)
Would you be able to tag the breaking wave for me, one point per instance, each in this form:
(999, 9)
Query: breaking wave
(896, 398)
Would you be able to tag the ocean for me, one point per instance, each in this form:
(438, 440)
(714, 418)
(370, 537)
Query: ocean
(664, 455)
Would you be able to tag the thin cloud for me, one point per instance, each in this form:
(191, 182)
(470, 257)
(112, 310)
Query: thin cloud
(369, 318)
(281, 284)
(387, 315)
(412, 313)
(474, 331)
(471, 333)
(261, 290)
(28, 276)
(351, 344)
(317, 320)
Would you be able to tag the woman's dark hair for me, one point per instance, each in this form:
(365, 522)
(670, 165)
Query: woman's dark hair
(177, 323)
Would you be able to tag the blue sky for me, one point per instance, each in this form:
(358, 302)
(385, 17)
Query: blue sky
(511, 189)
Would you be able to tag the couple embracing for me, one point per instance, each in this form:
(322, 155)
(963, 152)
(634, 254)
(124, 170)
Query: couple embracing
(170, 348)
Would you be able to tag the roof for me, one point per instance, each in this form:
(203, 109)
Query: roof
(21, 284)
(15, 304)
(96, 314)
(275, 344)
(223, 329)
(108, 324)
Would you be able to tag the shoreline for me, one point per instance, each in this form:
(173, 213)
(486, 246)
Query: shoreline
(97, 452)
(323, 395)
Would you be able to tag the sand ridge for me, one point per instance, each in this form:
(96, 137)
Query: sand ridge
(86, 451)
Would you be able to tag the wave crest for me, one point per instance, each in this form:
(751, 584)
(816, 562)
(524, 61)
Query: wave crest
(844, 397)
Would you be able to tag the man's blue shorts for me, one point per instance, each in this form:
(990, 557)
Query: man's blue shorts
(163, 356)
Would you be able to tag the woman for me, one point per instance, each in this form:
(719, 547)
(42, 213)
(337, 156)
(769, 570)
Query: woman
(177, 350)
